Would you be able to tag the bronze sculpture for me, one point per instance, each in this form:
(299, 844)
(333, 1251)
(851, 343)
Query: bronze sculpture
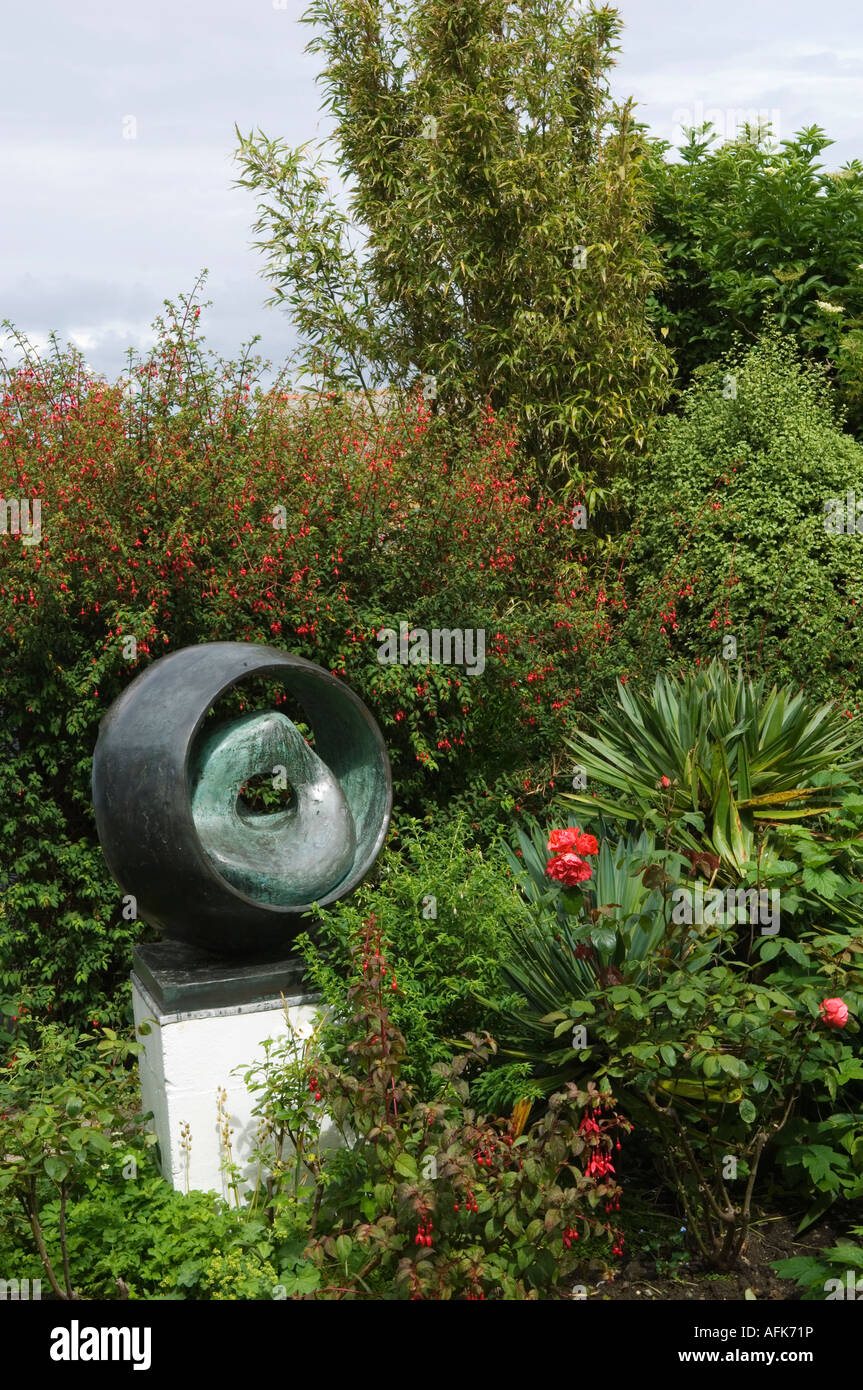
(202, 868)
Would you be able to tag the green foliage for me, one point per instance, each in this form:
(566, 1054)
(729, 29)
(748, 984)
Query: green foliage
(832, 1274)
(160, 530)
(615, 927)
(710, 1040)
(717, 1061)
(137, 1238)
(706, 1054)
(753, 231)
(824, 1155)
(730, 529)
(81, 1203)
(501, 1213)
(288, 1134)
(435, 1200)
(719, 756)
(62, 1115)
(482, 152)
(708, 1051)
(441, 906)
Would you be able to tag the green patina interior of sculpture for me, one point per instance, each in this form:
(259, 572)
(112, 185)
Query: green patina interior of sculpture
(286, 858)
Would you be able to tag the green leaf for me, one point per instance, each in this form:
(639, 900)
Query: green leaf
(846, 1255)
(406, 1167)
(731, 1065)
(795, 951)
(769, 948)
(56, 1168)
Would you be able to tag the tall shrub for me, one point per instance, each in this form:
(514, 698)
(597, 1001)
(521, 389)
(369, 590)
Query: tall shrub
(494, 242)
(734, 552)
(194, 506)
(752, 230)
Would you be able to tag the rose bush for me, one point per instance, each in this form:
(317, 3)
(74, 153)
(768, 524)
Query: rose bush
(712, 1045)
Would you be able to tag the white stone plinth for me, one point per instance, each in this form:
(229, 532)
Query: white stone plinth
(187, 1058)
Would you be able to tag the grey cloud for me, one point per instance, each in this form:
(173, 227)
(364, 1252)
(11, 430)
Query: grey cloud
(96, 231)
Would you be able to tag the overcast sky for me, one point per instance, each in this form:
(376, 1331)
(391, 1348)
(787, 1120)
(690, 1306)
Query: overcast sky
(97, 229)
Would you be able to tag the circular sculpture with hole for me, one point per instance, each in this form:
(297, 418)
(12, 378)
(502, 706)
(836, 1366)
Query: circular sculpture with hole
(203, 867)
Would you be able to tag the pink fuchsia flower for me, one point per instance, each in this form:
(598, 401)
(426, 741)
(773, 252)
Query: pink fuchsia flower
(568, 869)
(834, 1012)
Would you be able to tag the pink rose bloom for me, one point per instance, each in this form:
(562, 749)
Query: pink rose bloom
(568, 869)
(559, 841)
(834, 1012)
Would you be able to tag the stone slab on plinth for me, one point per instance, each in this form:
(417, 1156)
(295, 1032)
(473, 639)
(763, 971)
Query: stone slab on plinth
(206, 1019)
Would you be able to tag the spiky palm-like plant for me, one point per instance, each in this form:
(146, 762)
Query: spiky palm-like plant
(733, 752)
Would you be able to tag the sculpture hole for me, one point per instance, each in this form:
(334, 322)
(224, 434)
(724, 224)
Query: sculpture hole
(264, 694)
(265, 794)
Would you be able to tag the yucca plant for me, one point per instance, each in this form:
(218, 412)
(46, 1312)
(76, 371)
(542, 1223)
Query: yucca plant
(713, 745)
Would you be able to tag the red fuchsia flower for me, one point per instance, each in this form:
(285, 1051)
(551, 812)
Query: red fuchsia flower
(834, 1012)
(568, 869)
(599, 1165)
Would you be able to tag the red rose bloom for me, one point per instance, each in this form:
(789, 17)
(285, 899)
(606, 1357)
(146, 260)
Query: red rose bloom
(568, 869)
(560, 841)
(572, 840)
(834, 1012)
